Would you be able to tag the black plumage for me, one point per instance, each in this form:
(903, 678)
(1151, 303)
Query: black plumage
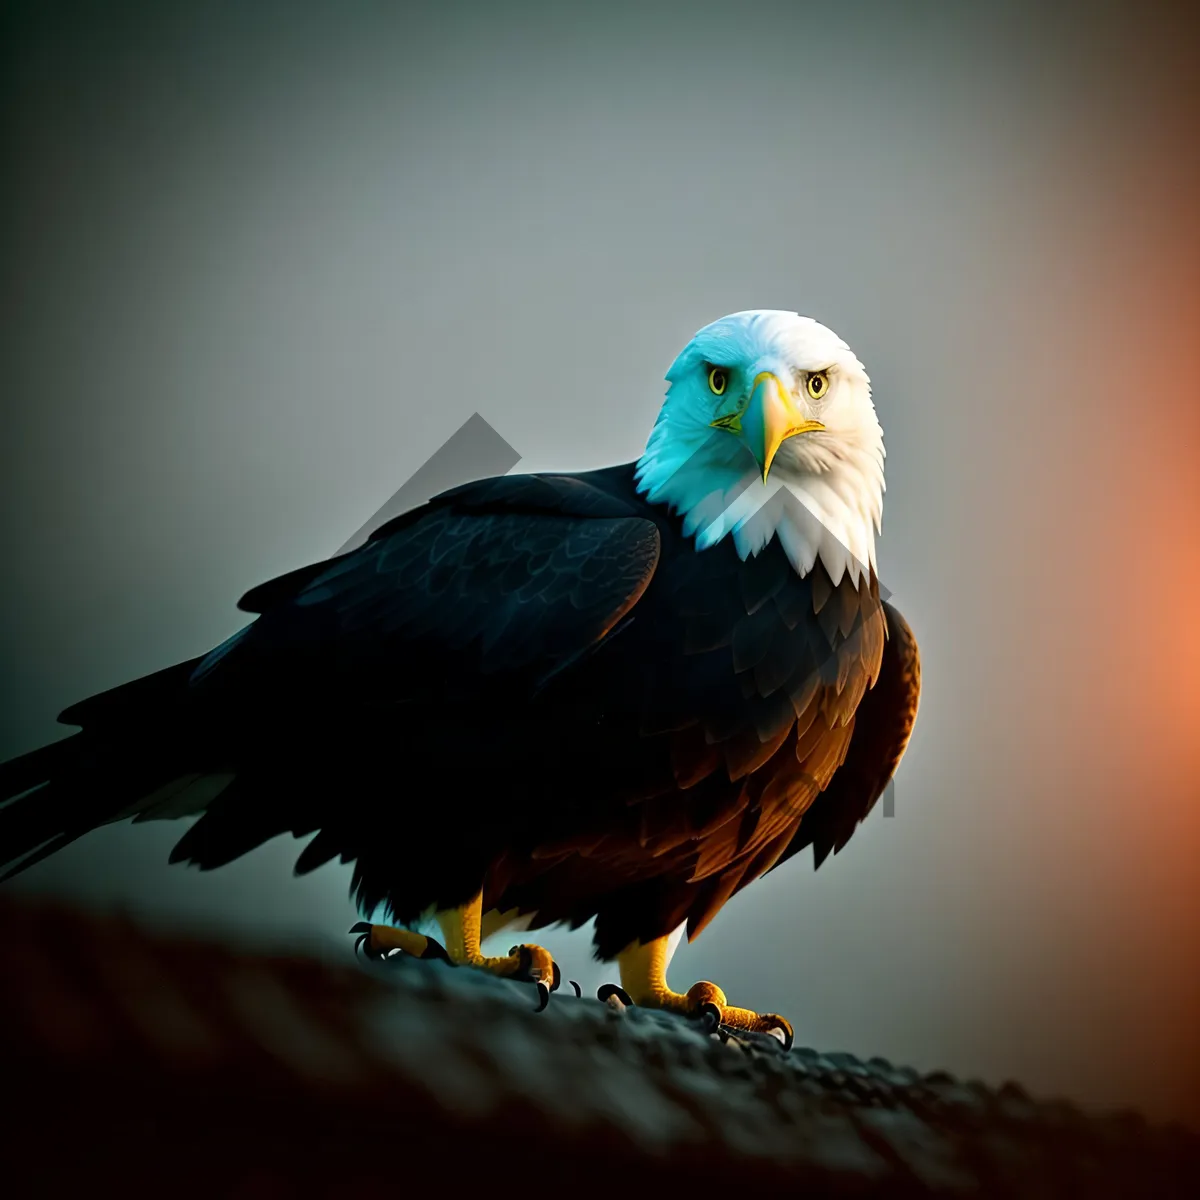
(533, 685)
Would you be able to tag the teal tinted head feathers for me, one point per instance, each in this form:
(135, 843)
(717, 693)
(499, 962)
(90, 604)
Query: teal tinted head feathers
(762, 403)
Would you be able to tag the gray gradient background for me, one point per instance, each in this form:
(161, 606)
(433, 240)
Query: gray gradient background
(259, 265)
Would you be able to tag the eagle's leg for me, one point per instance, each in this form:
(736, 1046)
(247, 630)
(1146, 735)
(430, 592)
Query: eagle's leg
(644, 978)
(462, 929)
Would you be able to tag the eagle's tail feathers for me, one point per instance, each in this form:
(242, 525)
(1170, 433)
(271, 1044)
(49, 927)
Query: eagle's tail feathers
(136, 758)
(187, 796)
(35, 768)
(31, 827)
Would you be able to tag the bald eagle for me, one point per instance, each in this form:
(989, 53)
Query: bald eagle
(620, 695)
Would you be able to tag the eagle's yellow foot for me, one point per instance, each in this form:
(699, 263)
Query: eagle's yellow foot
(705, 999)
(462, 928)
(644, 980)
(525, 964)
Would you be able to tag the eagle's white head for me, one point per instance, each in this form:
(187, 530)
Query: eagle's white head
(768, 430)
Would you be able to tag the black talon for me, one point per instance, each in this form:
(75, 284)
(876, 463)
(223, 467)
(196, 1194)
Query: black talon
(435, 952)
(363, 929)
(764, 1039)
(614, 989)
(557, 979)
(578, 989)
(367, 952)
(712, 1014)
(543, 996)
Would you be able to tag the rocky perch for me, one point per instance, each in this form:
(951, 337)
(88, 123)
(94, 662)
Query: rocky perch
(146, 1065)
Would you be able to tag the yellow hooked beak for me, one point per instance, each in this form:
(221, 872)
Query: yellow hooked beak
(771, 417)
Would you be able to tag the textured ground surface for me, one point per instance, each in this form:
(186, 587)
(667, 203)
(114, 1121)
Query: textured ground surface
(130, 1062)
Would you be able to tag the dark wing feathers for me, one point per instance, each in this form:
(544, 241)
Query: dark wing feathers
(466, 591)
(283, 587)
(500, 580)
(464, 614)
(130, 700)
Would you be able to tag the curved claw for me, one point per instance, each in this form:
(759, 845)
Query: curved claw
(436, 952)
(578, 989)
(557, 983)
(711, 1013)
(362, 944)
(543, 996)
(362, 947)
(784, 1028)
(614, 989)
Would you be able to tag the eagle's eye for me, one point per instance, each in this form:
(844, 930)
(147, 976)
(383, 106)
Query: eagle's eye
(718, 381)
(817, 384)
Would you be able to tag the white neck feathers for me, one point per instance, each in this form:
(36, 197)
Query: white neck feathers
(823, 499)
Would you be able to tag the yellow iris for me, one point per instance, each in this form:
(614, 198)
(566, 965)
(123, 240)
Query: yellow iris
(817, 384)
(718, 381)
